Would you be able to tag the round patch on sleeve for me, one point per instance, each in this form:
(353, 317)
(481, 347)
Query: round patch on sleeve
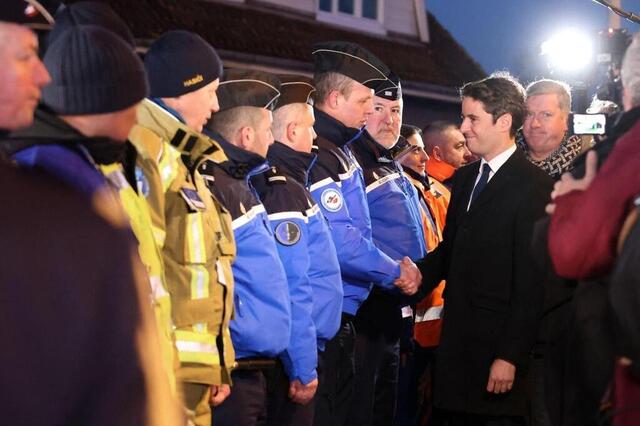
(287, 233)
(331, 199)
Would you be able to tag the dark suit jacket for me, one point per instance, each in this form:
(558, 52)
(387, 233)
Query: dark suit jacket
(493, 298)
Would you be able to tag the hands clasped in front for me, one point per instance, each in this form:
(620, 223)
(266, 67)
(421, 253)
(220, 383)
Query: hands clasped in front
(410, 277)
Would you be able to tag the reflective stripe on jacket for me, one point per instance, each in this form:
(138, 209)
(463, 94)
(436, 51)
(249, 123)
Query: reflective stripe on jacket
(195, 235)
(336, 184)
(307, 252)
(262, 323)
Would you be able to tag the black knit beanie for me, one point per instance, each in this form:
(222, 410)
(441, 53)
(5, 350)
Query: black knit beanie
(180, 62)
(89, 13)
(92, 72)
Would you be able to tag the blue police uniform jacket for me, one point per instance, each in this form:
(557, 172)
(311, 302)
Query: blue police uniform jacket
(262, 321)
(393, 201)
(52, 146)
(308, 254)
(337, 185)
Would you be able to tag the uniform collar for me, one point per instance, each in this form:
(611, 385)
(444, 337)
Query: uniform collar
(370, 153)
(49, 129)
(168, 126)
(240, 164)
(422, 179)
(440, 170)
(294, 163)
(334, 131)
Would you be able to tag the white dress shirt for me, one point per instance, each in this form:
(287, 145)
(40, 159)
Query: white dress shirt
(494, 165)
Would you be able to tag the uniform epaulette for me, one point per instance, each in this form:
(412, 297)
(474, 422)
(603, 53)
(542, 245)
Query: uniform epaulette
(274, 176)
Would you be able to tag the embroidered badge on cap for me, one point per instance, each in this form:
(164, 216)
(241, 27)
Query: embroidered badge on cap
(331, 200)
(287, 233)
(192, 198)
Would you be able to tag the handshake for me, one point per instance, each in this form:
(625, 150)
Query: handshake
(410, 277)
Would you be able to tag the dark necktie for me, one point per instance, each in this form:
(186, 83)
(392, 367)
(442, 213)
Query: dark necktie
(484, 178)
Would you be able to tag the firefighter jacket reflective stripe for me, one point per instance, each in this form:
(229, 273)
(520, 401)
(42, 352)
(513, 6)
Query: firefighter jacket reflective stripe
(262, 323)
(308, 255)
(434, 201)
(137, 210)
(337, 185)
(194, 233)
(393, 202)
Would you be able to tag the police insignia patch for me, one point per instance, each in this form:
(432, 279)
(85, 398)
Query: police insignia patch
(331, 200)
(287, 233)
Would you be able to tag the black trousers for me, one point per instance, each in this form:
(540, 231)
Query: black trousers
(281, 410)
(247, 404)
(336, 372)
(378, 329)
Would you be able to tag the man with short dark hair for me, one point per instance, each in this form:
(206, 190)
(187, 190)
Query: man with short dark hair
(492, 296)
(447, 150)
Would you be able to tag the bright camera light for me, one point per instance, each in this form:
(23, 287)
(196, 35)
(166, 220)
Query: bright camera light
(568, 51)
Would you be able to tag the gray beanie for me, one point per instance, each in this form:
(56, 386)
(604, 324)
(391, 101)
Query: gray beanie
(93, 71)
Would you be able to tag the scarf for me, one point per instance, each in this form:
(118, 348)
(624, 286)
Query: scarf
(560, 160)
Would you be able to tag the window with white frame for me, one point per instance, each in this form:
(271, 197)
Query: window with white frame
(369, 9)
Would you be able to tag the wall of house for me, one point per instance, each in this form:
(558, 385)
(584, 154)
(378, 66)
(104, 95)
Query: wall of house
(400, 17)
(421, 111)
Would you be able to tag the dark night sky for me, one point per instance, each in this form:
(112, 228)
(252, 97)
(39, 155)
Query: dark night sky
(505, 34)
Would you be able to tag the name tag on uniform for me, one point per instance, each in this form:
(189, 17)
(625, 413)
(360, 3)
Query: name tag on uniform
(192, 198)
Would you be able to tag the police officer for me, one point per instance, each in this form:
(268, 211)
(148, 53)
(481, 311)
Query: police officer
(261, 327)
(343, 105)
(192, 228)
(397, 230)
(306, 249)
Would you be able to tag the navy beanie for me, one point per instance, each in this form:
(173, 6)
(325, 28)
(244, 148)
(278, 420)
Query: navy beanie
(93, 71)
(89, 13)
(180, 62)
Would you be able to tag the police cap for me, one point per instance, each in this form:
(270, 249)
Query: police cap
(241, 87)
(388, 89)
(349, 59)
(295, 89)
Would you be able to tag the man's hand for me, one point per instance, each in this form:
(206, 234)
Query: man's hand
(501, 376)
(219, 394)
(302, 394)
(568, 183)
(410, 277)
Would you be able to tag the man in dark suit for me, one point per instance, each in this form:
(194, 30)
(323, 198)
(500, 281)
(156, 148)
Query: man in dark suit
(493, 298)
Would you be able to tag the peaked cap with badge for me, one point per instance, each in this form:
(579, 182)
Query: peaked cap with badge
(295, 89)
(349, 59)
(248, 88)
(389, 89)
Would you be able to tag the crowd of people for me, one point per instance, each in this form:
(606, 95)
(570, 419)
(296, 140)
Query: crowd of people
(184, 243)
